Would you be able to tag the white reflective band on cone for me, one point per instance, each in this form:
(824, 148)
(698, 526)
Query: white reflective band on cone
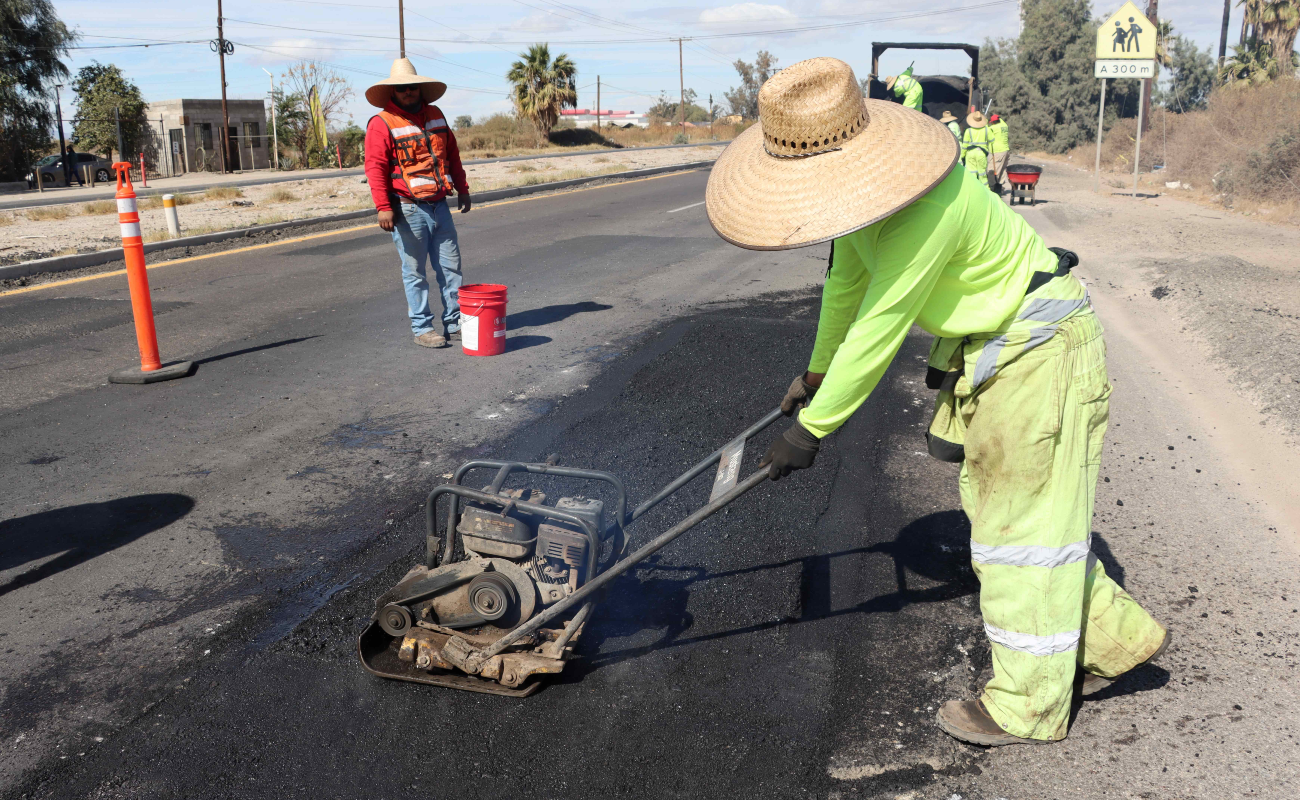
(125, 205)
(1034, 645)
(1028, 555)
(130, 229)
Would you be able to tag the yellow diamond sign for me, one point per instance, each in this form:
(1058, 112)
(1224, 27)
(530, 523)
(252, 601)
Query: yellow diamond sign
(1128, 34)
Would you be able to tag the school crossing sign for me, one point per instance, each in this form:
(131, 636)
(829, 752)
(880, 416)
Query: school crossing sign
(1126, 45)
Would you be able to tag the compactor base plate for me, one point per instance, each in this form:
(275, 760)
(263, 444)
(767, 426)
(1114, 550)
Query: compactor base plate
(378, 652)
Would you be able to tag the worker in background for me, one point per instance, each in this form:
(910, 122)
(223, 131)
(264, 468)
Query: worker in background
(906, 87)
(952, 123)
(977, 146)
(1018, 359)
(412, 164)
(1001, 147)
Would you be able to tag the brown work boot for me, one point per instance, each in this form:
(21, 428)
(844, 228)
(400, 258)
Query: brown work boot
(969, 721)
(1095, 683)
(431, 339)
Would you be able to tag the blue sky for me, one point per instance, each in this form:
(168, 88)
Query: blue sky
(470, 45)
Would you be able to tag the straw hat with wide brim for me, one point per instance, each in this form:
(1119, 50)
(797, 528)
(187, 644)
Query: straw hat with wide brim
(403, 74)
(890, 80)
(947, 117)
(976, 120)
(822, 162)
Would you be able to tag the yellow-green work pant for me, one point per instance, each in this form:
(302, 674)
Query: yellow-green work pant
(1034, 435)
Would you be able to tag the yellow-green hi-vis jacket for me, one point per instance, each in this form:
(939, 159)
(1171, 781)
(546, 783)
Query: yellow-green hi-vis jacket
(957, 262)
(909, 88)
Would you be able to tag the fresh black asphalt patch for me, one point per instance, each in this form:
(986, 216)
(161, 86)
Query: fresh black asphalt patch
(812, 625)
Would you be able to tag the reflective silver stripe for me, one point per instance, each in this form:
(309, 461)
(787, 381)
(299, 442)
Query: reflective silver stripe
(1044, 310)
(1039, 336)
(1034, 645)
(130, 229)
(406, 130)
(1028, 555)
(435, 123)
(987, 364)
(414, 182)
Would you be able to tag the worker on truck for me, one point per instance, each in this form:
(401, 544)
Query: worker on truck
(1018, 359)
(977, 146)
(412, 164)
(1001, 147)
(906, 87)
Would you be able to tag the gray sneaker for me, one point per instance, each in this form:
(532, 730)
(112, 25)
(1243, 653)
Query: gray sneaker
(431, 339)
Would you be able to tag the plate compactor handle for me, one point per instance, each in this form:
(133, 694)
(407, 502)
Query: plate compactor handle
(726, 488)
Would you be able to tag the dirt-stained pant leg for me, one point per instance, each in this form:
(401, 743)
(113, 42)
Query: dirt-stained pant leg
(1033, 449)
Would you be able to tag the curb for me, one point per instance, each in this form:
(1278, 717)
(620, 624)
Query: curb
(82, 260)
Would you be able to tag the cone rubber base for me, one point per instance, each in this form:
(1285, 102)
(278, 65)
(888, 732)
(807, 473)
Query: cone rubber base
(167, 372)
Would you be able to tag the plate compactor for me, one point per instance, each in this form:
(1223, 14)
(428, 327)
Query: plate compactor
(515, 602)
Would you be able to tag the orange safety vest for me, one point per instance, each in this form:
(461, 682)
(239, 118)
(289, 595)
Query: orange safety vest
(421, 152)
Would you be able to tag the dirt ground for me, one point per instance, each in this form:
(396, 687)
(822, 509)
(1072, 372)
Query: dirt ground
(88, 227)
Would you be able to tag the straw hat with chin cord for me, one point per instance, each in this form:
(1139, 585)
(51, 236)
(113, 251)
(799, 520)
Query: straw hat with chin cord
(822, 161)
(975, 119)
(403, 73)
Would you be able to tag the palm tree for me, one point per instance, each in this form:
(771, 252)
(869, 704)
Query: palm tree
(1252, 62)
(543, 86)
(1273, 24)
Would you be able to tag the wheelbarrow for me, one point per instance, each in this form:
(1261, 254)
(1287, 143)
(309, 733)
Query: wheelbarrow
(1024, 182)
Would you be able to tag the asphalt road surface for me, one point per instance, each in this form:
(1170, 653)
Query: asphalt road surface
(185, 567)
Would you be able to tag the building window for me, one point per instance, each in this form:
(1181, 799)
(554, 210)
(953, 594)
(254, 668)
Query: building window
(251, 134)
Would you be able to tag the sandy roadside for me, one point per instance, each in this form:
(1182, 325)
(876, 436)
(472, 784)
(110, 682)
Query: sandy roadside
(39, 233)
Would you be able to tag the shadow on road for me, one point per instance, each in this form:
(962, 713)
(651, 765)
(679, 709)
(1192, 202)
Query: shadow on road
(545, 315)
(80, 533)
(935, 547)
(522, 342)
(248, 350)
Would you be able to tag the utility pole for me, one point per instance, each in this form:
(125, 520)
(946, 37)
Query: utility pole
(401, 29)
(1223, 33)
(275, 133)
(223, 48)
(63, 148)
(681, 77)
(710, 115)
(117, 123)
(598, 101)
(1148, 84)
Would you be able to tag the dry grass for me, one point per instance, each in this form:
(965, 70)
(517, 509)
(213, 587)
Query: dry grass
(502, 135)
(154, 202)
(6, 219)
(1243, 149)
(99, 207)
(50, 213)
(223, 193)
(549, 176)
(281, 195)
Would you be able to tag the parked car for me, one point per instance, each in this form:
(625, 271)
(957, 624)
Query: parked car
(51, 169)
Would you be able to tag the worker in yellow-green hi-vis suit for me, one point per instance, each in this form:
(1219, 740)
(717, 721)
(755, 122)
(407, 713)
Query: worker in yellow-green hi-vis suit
(977, 147)
(1018, 360)
(906, 87)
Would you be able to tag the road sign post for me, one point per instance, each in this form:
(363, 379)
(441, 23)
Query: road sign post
(1126, 48)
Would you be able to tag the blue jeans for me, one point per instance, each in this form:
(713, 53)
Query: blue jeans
(420, 231)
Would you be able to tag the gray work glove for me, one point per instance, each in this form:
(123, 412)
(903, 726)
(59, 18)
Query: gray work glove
(795, 449)
(798, 396)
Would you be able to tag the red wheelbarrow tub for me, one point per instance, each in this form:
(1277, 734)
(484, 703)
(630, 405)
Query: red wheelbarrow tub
(1024, 174)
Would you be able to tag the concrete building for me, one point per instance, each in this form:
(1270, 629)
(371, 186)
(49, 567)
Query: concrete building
(586, 118)
(191, 134)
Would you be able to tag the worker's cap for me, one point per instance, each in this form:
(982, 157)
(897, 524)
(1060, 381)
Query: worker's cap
(822, 161)
(403, 73)
(993, 118)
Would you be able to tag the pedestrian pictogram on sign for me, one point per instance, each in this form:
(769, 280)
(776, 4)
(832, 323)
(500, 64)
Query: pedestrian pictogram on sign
(1128, 34)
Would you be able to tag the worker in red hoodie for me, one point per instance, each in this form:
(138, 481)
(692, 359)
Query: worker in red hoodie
(412, 164)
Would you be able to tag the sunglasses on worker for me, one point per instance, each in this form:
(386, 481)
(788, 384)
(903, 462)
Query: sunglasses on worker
(409, 88)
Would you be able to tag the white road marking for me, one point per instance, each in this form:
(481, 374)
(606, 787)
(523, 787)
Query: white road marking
(683, 208)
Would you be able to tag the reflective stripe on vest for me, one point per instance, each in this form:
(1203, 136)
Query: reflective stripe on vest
(421, 152)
